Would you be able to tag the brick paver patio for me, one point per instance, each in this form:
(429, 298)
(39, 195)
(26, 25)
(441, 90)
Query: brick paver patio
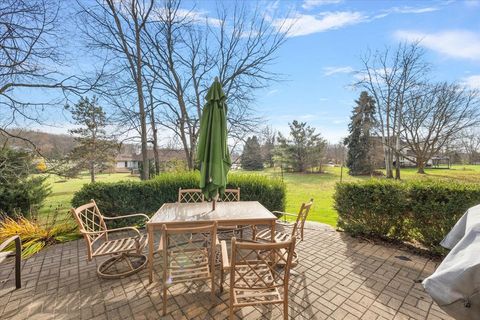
(338, 278)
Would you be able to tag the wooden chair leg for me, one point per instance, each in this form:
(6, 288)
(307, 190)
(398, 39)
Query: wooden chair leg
(18, 260)
(231, 316)
(222, 278)
(164, 300)
(285, 310)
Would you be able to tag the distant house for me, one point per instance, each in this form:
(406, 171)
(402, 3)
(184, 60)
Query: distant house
(406, 157)
(131, 160)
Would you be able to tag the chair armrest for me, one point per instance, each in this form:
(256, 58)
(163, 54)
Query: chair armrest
(112, 230)
(160, 244)
(8, 241)
(225, 262)
(127, 216)
(290, 214)
(284, 213)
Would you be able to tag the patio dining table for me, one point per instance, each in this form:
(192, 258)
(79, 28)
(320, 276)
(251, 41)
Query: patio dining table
(177, 215)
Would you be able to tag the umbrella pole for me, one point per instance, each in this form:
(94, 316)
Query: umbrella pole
(214, 201)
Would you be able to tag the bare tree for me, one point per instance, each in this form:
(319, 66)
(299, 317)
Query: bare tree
(30, 54)
(336, 152)
(187, 53)
(470, 144)
(433, 115)
(389, 76)
(116, 27)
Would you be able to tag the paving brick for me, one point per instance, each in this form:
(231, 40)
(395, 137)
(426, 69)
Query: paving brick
(338, 277)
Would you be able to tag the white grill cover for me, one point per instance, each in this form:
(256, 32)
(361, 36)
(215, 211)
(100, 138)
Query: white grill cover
(455, 285)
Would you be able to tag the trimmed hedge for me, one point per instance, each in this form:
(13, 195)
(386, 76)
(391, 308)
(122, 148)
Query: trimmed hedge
(419, 211)
(124, 197)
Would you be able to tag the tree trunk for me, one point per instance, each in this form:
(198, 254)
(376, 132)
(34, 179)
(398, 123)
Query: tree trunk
(141, 105)
(397, 156)
(397, 165)
(92, 171)
(388, 163)
(155, 140)
(421, 166)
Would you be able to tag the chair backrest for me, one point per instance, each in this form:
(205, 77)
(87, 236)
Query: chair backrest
(190, 195)
(255, 266)
(301, 218)
(89, 219)
(230, 195)
(188, 249)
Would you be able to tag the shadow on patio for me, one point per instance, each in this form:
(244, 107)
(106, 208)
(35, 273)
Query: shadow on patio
(338, 278)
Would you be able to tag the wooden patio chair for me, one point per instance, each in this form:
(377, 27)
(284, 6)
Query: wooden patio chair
(297, 226)
(190, 195)
(259, 273)
(188, 255)
(126, 250)
(230, 195)
(18, 257)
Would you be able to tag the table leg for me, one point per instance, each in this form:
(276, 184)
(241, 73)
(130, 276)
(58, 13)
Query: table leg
(272, 228)
(150, 253)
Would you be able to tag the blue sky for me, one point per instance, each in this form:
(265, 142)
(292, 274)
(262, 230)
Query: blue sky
(330, 36)
(327, 40)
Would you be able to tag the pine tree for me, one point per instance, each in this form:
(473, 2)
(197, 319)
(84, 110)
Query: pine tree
(95, 150)
(359, 141)
(252, 155)
(302, 150)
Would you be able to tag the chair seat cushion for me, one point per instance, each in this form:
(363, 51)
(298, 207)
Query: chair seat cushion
(120, 245)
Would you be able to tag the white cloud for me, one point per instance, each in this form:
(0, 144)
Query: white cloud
(453, 43)
(304, 24)
(412, 9)
(194, 16)
(328, 71)
(473, 82)
(310, 4)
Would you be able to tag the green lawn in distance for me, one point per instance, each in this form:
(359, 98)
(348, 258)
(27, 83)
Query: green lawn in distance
(63, 190)
(300, 187)
(321, 187)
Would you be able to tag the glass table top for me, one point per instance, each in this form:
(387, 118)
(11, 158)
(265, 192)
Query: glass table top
(202, 212)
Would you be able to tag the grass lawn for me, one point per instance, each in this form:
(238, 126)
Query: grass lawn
(300, 187)
(320, 187)
(63, 190)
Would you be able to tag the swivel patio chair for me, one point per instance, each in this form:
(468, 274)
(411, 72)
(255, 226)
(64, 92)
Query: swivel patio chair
(259, 273)
(125, 249)
(18, 257)
(188, 255)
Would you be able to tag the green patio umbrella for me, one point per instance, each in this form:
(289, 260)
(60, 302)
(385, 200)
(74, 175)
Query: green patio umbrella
(212, 150)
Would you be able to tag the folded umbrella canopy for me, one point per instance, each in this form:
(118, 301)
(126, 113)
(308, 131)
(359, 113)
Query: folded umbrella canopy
(455, 285)
(212, 150)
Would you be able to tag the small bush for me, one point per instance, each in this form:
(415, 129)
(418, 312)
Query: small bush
(126, 197)
(375, 208)
(421, 211)
(437, 206)
(20, 193)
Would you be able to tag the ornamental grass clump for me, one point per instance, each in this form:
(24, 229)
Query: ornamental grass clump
(35, 234)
